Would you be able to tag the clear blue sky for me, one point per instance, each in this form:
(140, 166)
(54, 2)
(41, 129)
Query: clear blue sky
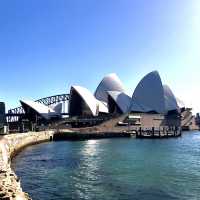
(48, 45)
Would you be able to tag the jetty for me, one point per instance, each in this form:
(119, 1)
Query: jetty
(164, 132)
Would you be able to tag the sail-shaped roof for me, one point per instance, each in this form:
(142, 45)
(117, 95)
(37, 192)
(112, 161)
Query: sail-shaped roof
(121, 99)
(149, 95)
(180, 103)
(86, 96)
(111, 82)
(43, 110)
(170, 100)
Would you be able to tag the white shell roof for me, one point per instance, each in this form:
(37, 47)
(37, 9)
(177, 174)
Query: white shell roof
(149, 94)
(180, 103)
(111, 82)
(102, 106)
(57, 107)
(43, 110)
(121, 99)
(170, 100)
(88, 98)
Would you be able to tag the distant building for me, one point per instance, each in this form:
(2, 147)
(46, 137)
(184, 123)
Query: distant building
(2, 114)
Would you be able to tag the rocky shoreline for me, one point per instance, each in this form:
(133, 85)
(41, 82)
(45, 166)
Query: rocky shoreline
(10, 186)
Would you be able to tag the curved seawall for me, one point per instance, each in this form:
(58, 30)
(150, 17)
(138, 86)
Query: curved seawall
(10, 187)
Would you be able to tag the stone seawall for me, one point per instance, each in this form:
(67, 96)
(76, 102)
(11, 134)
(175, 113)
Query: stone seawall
(10, 187)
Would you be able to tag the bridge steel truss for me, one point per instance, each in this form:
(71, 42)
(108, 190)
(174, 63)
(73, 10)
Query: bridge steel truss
(14, 114)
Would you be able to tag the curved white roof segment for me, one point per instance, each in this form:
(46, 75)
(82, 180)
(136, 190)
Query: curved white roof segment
(103, 108)
(111, 82)
(180, 103)
(87, 97)
(57, 107)
(121, 99)
(170, 100)
(149, 94)
(41, 109)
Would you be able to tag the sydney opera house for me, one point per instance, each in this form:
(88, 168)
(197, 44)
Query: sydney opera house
(151, 101)
(150, 96)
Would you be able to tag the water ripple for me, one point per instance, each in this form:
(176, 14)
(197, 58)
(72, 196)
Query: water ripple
(112, 169)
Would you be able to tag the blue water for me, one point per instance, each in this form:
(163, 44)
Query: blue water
(112, 169)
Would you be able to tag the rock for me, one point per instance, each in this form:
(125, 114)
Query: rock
(13, 195)
(2, 194)
(6, 198)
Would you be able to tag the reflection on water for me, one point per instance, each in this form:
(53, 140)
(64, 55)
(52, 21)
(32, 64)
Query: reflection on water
(87, 173)
(112, 169)
(90, 148)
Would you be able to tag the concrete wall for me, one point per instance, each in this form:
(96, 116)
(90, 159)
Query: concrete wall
(10, 187)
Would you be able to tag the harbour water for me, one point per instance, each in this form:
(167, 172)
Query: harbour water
(110, 169)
